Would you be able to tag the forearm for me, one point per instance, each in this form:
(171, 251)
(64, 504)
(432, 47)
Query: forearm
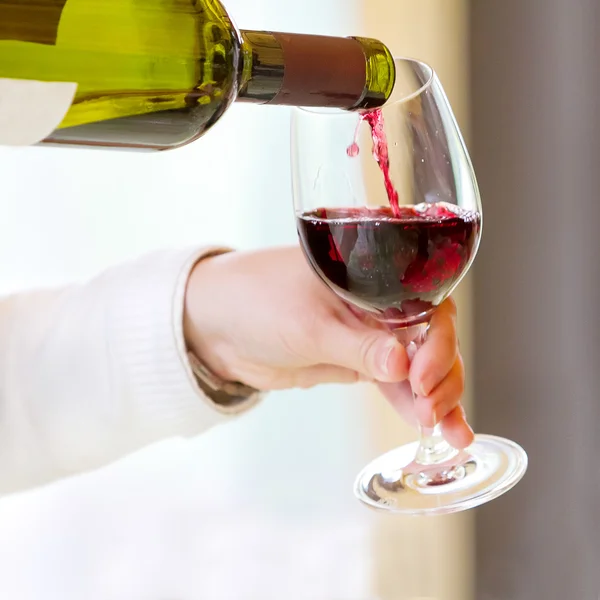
(92, 372)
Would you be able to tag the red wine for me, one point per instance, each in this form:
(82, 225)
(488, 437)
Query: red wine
(399, 267)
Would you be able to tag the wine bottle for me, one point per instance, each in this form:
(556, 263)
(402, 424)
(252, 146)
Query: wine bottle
(157, 74)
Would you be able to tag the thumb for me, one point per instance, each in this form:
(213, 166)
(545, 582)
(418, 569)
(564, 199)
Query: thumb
(374, 353)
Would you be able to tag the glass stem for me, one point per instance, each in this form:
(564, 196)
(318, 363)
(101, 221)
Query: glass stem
(433, 448)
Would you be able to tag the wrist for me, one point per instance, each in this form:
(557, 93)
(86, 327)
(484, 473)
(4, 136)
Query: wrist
(201, 318)
(223, 393)
(210, 352)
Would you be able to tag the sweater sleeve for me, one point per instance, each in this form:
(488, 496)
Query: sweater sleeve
(92, 372)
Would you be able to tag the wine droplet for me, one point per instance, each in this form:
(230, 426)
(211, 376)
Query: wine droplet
(353, 150)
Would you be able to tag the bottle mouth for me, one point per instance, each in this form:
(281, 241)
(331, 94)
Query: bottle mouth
(413, 78)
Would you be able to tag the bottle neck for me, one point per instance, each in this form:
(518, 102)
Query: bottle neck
(315, 71)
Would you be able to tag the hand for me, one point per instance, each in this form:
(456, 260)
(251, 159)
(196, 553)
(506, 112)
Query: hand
(263, 318)
(437, 377)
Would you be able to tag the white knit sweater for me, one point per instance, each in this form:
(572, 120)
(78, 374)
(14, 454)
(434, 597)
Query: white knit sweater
(92, 372)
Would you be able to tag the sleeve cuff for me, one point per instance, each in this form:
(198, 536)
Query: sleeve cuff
(149, 344)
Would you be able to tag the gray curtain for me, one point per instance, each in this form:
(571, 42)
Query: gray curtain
(536, 149)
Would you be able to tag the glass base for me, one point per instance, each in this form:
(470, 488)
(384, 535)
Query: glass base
(488, 468)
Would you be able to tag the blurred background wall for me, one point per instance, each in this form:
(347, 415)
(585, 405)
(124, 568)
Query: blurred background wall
(536, 148)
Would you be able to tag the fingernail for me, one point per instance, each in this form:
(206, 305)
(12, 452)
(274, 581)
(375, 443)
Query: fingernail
(384, 356)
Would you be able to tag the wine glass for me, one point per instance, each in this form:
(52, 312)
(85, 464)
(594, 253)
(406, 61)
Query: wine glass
(389, 217)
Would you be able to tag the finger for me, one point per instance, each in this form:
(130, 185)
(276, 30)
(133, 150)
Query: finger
(318, 374)
(444, 398)
(434, 360)
(456, 430)
(455, 427)
(400, 396)
(371, 352)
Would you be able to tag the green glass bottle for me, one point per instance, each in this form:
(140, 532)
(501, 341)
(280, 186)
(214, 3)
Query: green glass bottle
(157, 74)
